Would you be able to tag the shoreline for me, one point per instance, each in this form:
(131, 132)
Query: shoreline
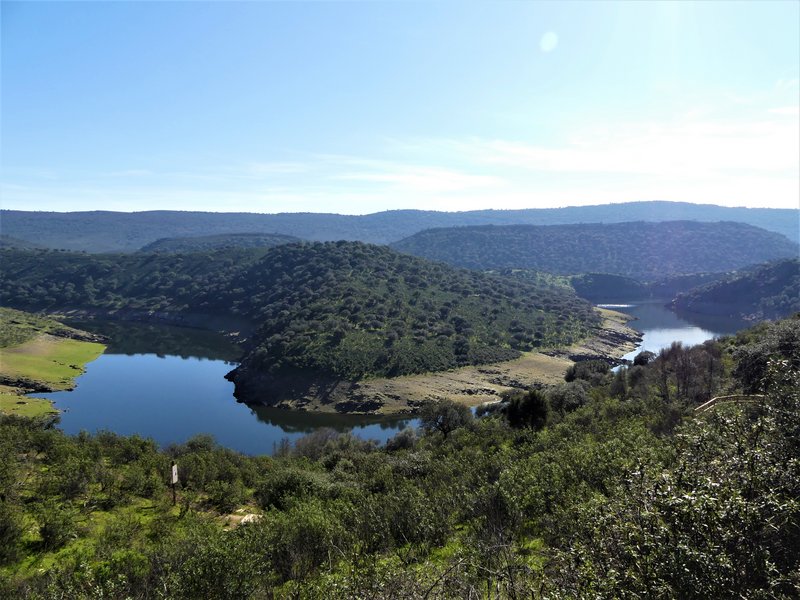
(43, 364)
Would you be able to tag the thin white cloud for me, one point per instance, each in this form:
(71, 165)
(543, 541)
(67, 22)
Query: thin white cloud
(424, 179)
(791, 111)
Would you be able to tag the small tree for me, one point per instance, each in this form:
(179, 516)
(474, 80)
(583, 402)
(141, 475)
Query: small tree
(444, 416)
(528, 410)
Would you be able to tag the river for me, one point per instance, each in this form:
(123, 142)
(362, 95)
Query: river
(168, 383)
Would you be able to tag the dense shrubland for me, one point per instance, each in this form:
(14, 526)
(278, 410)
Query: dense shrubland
(344, 309)
(608, 485)
(645, 251)
(204, 243)
(768, 291)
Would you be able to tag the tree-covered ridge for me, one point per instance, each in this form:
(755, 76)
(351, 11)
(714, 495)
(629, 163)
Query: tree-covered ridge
(107, 231)
(640, 250)
(602, 287)
(205, 243)
(611, 485)
(343, 309)
(768, 291)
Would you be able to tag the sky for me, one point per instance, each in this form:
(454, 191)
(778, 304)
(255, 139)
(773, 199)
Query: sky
(365, 106)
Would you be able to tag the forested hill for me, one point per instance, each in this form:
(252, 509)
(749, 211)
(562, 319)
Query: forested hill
(343, 309)
(6, 241)
(769, 291)
(103, 231)
(641, 250)
(211, 242)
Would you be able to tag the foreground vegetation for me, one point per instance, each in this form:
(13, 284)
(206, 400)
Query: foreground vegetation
(344, 310)
(609, 485)
(39, 355)
(645, 251)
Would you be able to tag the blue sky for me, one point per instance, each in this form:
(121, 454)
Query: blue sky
(366, 106)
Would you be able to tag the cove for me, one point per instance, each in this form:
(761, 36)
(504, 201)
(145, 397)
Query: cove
(168, 383)
(660, 326)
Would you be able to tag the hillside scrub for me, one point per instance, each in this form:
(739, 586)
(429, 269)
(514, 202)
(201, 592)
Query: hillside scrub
(770, 291)
(344, 310)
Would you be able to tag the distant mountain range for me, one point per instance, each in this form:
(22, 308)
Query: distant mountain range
(645, 251)
(103, 231)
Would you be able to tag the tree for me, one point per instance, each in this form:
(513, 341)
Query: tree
(444, 416)
(528, 410)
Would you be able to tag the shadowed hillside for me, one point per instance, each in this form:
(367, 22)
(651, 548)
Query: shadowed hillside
(769, 291)
(640, 250)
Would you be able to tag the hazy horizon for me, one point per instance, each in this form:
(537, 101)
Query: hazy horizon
(256, 212)
(357, 108)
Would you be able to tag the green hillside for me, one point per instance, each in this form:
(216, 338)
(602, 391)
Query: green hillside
(107, 231)
(768, 291)
(610, 486)
(345, 310)
(646, 251)
(204, 243)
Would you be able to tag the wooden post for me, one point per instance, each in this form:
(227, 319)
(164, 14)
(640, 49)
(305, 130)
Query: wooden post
(174, 480)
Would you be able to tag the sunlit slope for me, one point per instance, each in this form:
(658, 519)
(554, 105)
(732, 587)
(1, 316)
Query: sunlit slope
(641, 250)
(345, 309)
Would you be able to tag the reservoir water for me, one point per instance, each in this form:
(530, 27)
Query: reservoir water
(660, 326)
(168, 383)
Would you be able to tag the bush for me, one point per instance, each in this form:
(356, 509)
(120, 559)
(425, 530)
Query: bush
(281, 488)
(56, 525)
(11, 530)
(528, 410)
(224, 496)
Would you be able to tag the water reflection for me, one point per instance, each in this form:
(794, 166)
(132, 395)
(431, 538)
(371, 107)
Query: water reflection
(660, 326)
(162, 340)
(168, 383)
(292, 421)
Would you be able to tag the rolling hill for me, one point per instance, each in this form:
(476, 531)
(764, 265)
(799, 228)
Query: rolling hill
(212, 242)
(646, 251)
(319, 311)
(104, 231)
(770, 291)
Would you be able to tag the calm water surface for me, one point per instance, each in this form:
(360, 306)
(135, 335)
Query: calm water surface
(661, 326)
(168, 383)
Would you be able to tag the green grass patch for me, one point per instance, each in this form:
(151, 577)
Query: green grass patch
(12, 403)
(54, 361)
